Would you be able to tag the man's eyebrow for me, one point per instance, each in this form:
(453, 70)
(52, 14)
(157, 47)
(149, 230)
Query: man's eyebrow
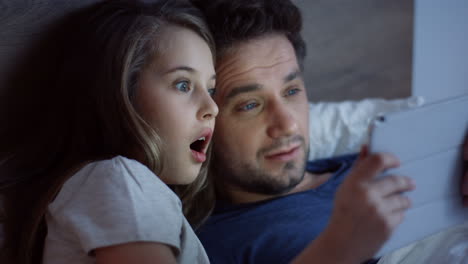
(243, 89)
(292, 76)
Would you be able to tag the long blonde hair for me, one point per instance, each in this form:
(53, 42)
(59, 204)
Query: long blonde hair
(78, 107)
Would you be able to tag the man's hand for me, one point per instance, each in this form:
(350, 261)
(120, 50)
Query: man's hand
(368, 208)
(464, 185)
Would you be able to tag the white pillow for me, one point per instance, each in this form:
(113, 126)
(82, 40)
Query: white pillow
(341, 128)
(448, 246)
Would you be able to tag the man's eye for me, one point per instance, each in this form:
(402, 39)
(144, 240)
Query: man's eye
(183, 86)
(248, 106)
(212, 91)
(292, 91)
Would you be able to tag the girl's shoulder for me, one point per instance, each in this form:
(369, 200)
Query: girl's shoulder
(112, 202)
(117, 176)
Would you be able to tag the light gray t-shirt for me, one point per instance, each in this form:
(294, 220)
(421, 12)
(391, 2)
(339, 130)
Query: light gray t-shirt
(113, 202)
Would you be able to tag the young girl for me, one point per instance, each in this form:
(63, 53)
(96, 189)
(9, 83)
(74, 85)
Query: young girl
(126, 112)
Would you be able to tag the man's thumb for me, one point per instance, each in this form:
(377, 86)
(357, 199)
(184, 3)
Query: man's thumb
(363, 153)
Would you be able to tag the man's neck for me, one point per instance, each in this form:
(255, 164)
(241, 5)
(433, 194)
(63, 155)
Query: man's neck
(310, 181)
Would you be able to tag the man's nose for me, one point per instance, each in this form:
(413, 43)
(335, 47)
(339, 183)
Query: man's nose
(282, 123)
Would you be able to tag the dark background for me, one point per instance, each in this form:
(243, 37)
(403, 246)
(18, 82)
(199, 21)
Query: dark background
(356, 49)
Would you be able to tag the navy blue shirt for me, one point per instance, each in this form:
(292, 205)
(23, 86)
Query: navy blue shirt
(276, 230)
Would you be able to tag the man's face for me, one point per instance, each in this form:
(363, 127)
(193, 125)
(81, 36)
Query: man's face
(261, 135)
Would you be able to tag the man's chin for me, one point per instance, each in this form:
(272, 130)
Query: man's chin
(281, 186)
(278, 181)
(275, 167)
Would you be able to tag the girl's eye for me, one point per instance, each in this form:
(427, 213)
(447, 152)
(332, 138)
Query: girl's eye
(292, 92)
(212, 91)
(183, 86)
(248, 106)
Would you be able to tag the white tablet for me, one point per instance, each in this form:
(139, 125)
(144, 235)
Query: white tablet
(428, 141)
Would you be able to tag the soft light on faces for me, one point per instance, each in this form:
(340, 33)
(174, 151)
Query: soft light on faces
(261, 137)
(175, 98)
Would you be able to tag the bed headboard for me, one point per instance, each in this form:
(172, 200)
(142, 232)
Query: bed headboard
(23, 23)
(356, 49)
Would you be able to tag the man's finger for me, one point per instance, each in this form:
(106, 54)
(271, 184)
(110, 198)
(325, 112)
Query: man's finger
(398, 202)
(374, 165)
(396, 218)
(465, 149)
(363, 153)
(465, 201)
(392, 184)
(465, 184)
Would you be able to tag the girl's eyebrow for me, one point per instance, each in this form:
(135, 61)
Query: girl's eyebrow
(180, 68)
(187, 69)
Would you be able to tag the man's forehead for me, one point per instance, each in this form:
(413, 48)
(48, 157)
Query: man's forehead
(256, 61)
(259, 52)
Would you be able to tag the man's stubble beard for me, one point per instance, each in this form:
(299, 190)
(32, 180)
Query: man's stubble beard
(252, 178)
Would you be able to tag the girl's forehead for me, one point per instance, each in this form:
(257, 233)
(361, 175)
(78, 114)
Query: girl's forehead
(178, 46)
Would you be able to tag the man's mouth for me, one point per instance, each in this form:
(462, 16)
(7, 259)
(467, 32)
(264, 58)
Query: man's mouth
(284, 154)
(200, 145)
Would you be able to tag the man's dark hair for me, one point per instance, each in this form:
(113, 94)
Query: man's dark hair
(236, 21)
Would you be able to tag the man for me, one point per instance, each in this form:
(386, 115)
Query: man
(272, 205)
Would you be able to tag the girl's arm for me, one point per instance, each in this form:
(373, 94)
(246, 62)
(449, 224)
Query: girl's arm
(136, 252)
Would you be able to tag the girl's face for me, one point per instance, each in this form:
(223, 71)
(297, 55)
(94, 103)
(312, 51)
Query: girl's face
(175, 98)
